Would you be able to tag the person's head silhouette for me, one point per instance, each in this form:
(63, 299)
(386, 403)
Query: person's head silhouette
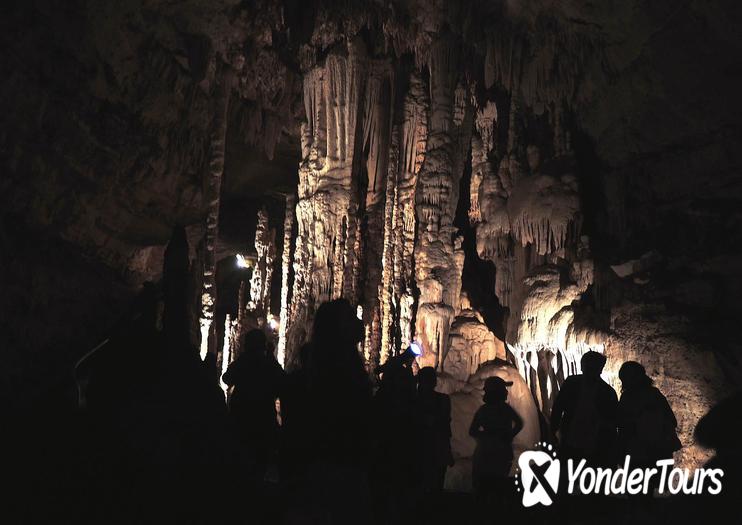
(496, 389)
(254, 343)
(592, 364)
(426, 380)
(334, 357)
(336, 326)
(633, 376)
(712, 430)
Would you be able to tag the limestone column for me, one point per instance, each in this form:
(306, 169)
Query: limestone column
(213, 195)
(288, 225)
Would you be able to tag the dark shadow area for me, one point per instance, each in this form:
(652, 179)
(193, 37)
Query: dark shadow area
(140, 432)
(478, 277)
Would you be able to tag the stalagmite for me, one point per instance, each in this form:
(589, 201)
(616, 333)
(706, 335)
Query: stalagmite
(260, 282)
(436, 270)
(376, 143)
(226, 353)
(386, 288)
(288, 226)
(413, 145)
(213, 195)
(472, 344)
(241, 322)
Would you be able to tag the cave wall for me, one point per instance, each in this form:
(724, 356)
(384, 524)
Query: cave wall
(107, 115)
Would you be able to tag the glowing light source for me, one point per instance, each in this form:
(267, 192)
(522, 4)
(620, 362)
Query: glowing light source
(241, 261)
(273, 323)
(416, 348)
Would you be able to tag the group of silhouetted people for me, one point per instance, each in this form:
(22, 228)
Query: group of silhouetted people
(339, 446)
(324, 442)
(593, 424)
(153, 442)
(342, 445)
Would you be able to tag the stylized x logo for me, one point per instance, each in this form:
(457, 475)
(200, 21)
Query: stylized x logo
(539, 477)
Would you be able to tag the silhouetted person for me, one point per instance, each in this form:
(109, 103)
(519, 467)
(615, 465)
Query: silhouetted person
(333, 488)
(719, 430)
(494, 426)
(256, 382)
(338, 384)
(395, 465)
(646, 423)
(432, 414)
(584, 413)
(295, 416)
(397, 376)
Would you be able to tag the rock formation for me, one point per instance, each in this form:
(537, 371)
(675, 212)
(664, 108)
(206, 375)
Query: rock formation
(262, 273)
(213, 196)
(288, 228)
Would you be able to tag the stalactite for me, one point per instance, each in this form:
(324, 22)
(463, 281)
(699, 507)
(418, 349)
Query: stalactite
(543, 210)
(288, 226)
(548, 347)
(213, 195)
(479, 165)
(533, 64)
(486, 120)
(529, 213)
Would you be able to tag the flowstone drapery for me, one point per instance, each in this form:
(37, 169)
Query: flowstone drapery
(325, 261)
(384, 148)
(527, 218)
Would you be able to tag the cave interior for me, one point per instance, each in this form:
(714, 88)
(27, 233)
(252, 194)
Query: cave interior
(508, 184)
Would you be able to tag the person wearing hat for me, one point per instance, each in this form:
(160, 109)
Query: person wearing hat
(494, 426)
